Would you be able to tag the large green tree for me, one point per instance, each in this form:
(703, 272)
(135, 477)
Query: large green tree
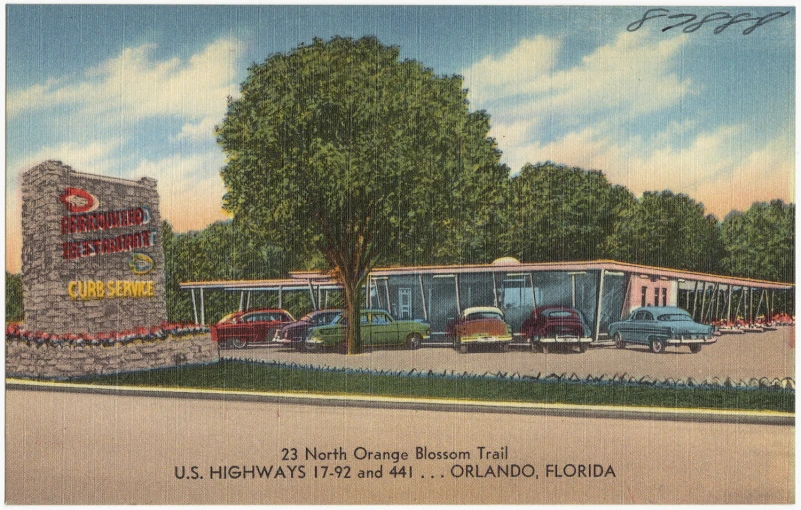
(342, 148)
(760, 243)
(667, 230)
(558, 213)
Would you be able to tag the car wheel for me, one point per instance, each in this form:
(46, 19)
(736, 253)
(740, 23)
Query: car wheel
(342, 347)
(545, 348)
(238, 343)
(311, 346)
(506, 348)
(657, 345)
(413, 341)
(583, 347)
(459, 346)
(619, 343)
(695, 348)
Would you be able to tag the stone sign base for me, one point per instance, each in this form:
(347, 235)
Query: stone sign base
(66, 361)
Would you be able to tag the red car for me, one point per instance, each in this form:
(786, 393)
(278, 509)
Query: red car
(479, 325)
(554, 325)
(240, 329)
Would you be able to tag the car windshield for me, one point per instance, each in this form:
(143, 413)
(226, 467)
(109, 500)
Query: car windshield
(484, 315)
(675, 317)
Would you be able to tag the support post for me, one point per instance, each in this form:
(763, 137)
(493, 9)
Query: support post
(627, 296)
(759, 305)
(389, 299)
(572, 290)
(494, 290)
(202, 308)
(194, 305)
(598, 306)
(703, 303)
(311, 295)
(533, 294)
(728, 304)
(772, 302)
(458, 300)
(423, 295)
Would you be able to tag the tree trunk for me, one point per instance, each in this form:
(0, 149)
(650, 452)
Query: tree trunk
(353, 310)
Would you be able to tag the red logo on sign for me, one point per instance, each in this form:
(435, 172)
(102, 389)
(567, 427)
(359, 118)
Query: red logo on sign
(78, 200)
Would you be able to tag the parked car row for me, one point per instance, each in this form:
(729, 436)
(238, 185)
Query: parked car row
(547, 327)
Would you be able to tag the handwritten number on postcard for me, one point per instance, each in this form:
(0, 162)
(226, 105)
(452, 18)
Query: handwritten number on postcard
(687, 20)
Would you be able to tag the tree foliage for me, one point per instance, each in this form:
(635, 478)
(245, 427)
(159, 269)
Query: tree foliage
(667, 230)
(760, 243)
(558, 213)
(14, 303)
(342, 149)
(220, 252)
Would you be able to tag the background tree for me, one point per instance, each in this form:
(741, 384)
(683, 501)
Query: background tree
(14, 303)
(558, 213)
(667, 230)
(760, 243)
(221, 252)
(341, 148)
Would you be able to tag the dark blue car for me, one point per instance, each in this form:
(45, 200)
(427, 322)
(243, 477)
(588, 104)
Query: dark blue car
(659, 327)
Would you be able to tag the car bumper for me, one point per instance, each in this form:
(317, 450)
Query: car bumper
(563, 340)
(486, 339)
(691, 341)
(286, 341)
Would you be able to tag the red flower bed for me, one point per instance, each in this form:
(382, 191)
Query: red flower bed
(18, 333)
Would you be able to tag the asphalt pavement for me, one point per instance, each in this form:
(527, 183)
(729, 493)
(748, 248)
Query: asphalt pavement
(752, 355)
(78, 448)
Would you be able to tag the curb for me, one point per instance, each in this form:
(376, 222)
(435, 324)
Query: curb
(424, 404)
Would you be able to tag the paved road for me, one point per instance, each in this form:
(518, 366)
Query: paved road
(68, 448)
(769, 354)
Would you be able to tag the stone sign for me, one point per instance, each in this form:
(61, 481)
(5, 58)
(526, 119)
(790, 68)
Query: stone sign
(92, 256)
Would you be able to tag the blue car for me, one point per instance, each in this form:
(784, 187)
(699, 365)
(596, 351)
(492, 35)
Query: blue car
(659, 327)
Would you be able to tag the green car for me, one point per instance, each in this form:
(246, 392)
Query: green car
(377, 328)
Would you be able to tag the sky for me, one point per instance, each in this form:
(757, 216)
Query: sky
(137, 90)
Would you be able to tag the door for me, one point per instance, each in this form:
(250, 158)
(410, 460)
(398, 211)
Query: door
(382, 329)
(404, 303)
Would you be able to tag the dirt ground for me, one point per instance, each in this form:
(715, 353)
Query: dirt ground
(72, 448)
(769, 354)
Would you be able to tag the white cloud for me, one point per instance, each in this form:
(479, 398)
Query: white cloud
(630, 76)
(114, 97)
(709, 169)
(599, 114)
(135, 86)
(94, 157)
(513, 73)
(199, 131)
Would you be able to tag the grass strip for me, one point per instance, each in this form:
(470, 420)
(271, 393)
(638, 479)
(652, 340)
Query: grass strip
(247, 376)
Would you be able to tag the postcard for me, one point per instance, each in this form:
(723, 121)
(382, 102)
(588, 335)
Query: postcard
(400, 254)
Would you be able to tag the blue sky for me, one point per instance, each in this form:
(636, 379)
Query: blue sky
(134, 91)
